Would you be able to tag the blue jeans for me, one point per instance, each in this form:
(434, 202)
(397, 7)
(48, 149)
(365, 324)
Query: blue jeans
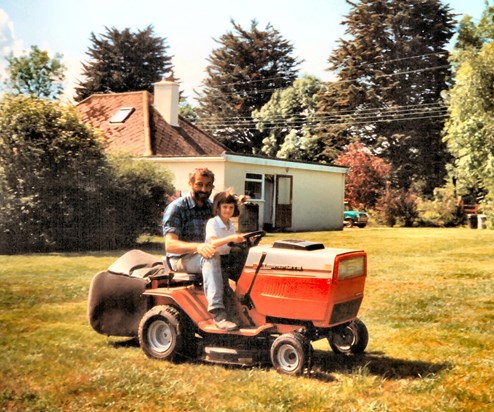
(211, 274)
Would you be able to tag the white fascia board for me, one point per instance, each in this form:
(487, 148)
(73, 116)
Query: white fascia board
(260, 161)
(252, 160)
(164, 159)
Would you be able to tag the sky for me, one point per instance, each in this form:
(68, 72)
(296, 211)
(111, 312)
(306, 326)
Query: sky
(189, 27)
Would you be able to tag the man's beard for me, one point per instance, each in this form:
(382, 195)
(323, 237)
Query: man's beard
(201, 196)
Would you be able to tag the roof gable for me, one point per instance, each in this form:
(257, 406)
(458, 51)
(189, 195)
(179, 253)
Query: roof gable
(144, 132)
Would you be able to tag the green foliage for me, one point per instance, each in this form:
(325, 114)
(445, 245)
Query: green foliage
(487, 207)
(57, 188)
(468, 36)
(441, 211)
(187, 111)
(288, 121)
(122, 61)
(244, 71)
(469, 132)
(52, 166)
(392, 67)
(138, 195)
(367, 176)
(36, 74)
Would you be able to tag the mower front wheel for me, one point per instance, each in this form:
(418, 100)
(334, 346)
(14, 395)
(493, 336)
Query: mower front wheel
(160, 333)
(290, 353)
(350, 338)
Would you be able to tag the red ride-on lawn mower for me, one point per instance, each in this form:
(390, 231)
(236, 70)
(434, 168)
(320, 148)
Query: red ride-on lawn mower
(286, 295)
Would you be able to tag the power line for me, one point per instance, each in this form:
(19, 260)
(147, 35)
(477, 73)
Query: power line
(397, 117)
(423, 108)
(365, 64)
(357, 116)
(244, 94)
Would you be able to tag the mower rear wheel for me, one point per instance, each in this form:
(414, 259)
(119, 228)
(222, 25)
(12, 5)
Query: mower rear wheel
(348, 339)
(290, 353)
(160, 333)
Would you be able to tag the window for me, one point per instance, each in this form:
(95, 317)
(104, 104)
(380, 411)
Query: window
(122, 115)
(254, 185)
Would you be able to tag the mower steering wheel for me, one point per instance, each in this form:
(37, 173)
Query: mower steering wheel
(253, 238)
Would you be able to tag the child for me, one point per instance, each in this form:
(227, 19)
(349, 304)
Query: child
(219, 232)
(219, 229)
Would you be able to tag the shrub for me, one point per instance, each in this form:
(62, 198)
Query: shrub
(51, 164)
(138, 197)
(487, 207)
(59, 192)
(397, 207)
(441, 211)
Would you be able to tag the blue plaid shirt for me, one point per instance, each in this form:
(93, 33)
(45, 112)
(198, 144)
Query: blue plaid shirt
(186, 219)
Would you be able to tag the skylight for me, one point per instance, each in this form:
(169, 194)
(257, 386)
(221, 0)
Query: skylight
(122, 115)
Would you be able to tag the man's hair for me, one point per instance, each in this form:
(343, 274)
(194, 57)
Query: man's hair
(222, 198)
(201, 171)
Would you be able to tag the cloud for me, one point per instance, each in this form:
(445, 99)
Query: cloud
(73, 74)
(8, 45)
(8, 42)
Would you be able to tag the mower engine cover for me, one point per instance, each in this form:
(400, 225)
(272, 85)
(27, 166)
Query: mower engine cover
(306, 281)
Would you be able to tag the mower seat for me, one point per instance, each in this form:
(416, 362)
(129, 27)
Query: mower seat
(184, 278)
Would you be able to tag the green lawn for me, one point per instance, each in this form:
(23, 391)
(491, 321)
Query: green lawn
(429, 308)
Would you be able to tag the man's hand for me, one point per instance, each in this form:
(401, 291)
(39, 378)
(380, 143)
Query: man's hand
(179, 247)
(206, 250)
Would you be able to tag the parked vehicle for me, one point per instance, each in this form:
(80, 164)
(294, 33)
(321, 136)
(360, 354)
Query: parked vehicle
(352, 217)
(288, 295)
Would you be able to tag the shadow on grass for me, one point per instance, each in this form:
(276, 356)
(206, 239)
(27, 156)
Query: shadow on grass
(128, 343)
(371, 363)
(326, 363)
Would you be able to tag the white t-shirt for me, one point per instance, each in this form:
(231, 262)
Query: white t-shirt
(216, 228)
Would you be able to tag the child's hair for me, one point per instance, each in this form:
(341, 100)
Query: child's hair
(225, 197)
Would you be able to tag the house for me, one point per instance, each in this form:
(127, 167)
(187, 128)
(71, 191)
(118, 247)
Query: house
(290, 195)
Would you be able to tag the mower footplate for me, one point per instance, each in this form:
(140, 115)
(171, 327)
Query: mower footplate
(235, 356)
(209, 327)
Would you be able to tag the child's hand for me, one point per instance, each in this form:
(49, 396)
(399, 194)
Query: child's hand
(237, 238)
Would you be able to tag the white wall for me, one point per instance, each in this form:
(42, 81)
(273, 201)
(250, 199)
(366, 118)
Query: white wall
(318, 190)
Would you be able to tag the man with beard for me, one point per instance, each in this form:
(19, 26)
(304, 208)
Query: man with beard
(184, 229)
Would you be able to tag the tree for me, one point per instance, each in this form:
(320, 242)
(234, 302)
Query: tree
(367, 177)
(122, 61)
(392, 69)
(470, 129)
(36, 74)
(188, 111)
(52, 167)
(288, 121)
(243, 73)
(58, 191)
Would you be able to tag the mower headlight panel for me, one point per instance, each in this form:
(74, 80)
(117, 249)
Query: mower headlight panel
(351, 267)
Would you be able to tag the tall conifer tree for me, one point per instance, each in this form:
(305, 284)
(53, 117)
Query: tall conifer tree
(393, 66)
(122, 61)
(243, 72)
